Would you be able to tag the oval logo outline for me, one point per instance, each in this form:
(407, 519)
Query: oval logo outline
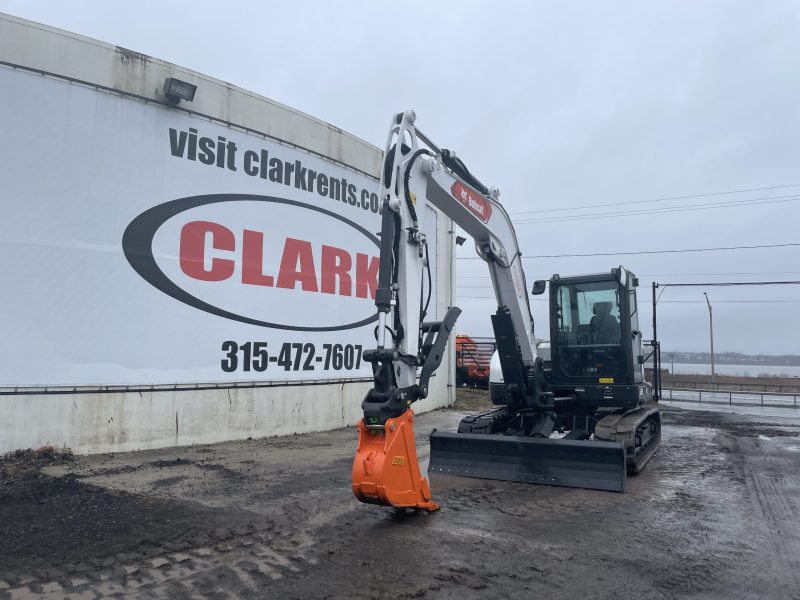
(137, 245)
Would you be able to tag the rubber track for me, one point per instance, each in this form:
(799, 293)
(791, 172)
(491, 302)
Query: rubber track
(630, 422)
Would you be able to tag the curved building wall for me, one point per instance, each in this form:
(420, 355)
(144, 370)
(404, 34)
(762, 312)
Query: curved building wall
(179, 274)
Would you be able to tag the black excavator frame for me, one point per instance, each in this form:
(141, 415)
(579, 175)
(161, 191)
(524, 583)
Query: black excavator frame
(609, 426)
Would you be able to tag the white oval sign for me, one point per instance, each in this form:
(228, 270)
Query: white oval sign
(261, 260)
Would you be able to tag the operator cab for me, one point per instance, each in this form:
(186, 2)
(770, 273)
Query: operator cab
(595, 337)
(588, 328)
(595, 349)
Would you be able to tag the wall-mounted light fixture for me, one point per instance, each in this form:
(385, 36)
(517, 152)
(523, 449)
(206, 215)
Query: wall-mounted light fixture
(176, 90)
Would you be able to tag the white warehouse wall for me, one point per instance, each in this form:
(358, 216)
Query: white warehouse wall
(114, 328)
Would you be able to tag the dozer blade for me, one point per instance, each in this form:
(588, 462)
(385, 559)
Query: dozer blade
(386, 468)
(572, 463)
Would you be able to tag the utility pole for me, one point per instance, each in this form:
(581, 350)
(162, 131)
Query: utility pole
(655, 334)
(656, 352)
(711, 333)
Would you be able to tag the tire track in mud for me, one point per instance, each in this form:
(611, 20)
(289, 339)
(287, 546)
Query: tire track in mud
(226, 569)
(695, 524)
(219, 563)
(690, 545)
(226, 553)
(771, 474)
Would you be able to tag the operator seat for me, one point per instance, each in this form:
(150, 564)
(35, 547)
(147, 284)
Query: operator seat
(604, 325)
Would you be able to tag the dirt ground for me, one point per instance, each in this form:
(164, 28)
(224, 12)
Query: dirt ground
(715, 515)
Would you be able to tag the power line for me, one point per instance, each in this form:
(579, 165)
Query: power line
(646, 251)
(490, 297)
(725, 301)
(761, 189)
(669, 209)
(486, 276)
(709, 284)
(720, 274)
(726, 273)
(727, 284)
(665, 301)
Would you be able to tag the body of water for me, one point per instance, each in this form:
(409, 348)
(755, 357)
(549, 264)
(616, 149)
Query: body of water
(741, 370)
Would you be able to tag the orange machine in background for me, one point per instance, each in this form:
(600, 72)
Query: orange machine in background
(473, 356)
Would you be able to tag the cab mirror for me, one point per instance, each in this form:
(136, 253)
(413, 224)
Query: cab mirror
(538, 287)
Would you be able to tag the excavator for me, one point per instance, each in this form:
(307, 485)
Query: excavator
(586, 418)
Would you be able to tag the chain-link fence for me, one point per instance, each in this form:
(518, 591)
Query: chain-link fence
(652, 366)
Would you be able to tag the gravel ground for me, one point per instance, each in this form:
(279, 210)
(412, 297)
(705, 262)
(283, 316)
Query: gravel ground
(715, 515)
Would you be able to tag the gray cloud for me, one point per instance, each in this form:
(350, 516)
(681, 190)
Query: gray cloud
(558, 104)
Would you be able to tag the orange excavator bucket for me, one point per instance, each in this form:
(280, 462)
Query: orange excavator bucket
(386, 468)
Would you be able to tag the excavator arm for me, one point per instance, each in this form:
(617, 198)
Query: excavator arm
(409, 348)
(589, 393)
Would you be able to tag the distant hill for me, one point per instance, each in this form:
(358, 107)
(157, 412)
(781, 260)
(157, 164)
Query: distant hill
(732, 358)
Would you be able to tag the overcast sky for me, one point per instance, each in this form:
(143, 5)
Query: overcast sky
(560, 105)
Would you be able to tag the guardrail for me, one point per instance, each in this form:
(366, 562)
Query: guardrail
(734, 397)
(794, 388)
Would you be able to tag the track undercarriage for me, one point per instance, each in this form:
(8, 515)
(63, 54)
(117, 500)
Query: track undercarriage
(597, 450)
(639, 430)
